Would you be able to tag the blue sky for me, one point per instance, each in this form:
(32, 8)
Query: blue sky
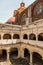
(8, 6)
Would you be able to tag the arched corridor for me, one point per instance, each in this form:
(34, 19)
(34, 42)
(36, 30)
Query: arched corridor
(13, 54)
(40, 37)
(3, 55)
(16, 36)
(32, 37)
(25, 36)
(37, 59)
(27, 54)
(15, 60)
(6, 36)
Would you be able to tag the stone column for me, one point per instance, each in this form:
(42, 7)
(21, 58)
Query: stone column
(36, 38)
(18, 53)
(21, 53)
(28, 39)
(8, 59)
(2, 39)
(8, 55)
(11, 36)
(31, 63)
(2, 36)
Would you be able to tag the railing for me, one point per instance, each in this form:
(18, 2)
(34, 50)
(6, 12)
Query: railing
(34, 42)
(9, 41)
(14, 41)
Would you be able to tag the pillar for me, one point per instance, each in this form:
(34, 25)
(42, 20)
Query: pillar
(28, 37)
(12, 36)
(21, 53)
(36, 37)
(8, 59)
(2, 36)
(31, 63)
(8, 55)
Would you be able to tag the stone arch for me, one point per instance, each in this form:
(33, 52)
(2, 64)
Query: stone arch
(13, 52)
(16, 36)
(7, 36)
(32, 36)
(40, 37)
(37, 58)
(3, 55)
(26, 52)
(25, 36)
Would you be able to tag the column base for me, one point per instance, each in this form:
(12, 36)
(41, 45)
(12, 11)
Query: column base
(30, 63)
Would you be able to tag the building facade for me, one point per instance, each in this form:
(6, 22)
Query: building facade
(21, 37)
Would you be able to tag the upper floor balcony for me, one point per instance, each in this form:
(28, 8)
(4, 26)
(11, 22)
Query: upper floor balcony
(14, 41)
(32, 39)
(34, 42)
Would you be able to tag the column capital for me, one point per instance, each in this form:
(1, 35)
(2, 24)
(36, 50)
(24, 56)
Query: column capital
(42, 58)
(30, 63)
(8, 51)
(31, 52)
